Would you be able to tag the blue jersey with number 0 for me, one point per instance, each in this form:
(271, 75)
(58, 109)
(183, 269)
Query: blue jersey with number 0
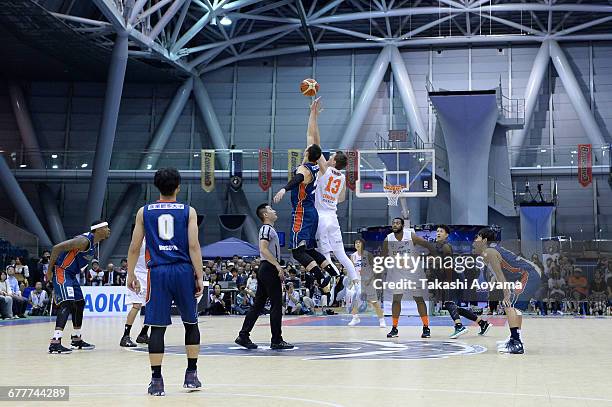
(165, 225)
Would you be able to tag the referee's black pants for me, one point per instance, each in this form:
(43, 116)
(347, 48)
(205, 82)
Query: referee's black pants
(269, 286)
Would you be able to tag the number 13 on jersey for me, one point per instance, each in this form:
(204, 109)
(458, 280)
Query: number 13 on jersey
(333, 189)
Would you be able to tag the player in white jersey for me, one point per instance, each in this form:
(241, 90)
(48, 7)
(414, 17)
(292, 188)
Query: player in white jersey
(137, 300)
(330, 190)
(400, 242)
(363, 261)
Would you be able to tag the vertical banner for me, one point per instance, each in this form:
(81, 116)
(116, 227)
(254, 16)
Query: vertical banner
(351, 169)
(536, 224)
(236, 169)
(294, 159)
(265, 169)
(208, 170)
(585, 165)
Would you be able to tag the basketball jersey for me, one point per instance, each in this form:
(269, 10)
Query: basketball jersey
(356, 259)
(516, 268)
(71, 262)
(400, 247)
(165, 225)
(329, 186)
(303, 197)
(141, 264)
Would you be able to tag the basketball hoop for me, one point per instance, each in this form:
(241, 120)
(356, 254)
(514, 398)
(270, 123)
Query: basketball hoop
(393, 193)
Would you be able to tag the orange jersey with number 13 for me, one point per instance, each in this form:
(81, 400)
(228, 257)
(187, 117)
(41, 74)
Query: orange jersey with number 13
(329, 187)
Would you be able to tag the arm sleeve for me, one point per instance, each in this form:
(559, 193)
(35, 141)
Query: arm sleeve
(295, 181)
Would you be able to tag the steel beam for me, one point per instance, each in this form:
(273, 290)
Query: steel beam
(532, 90)
(305, 28)
(22, 205)
(108, 126)
(574, 93)
(210, 119)
(109, 10)
(365, 99)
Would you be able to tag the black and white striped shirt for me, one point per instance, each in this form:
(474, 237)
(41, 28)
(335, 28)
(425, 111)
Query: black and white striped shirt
(268, 233)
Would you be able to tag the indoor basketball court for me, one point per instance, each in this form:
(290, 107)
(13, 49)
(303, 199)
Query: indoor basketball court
(306, 203)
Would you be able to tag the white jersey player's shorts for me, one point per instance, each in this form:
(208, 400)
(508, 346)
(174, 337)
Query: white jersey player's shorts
(329, 235)
(142, 274)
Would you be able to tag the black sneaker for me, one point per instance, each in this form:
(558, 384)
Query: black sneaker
(126, 342)
(245, 342)
(281, 345)
(56, 347)
(459, 330)
(426, 332)
(513, 346)
(191, 380)
(393, 333)
(484, 328)
(156, 387)
(143, 339)
(79, 344)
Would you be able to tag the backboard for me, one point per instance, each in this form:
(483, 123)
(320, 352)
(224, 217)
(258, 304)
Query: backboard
(413, 169)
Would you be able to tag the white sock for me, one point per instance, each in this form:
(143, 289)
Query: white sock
(57, 334)
(77, 332)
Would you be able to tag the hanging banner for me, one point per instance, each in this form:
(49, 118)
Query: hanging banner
(585, 165)
(294, 158)
(351, 169)
(265, 169)
(208, 170)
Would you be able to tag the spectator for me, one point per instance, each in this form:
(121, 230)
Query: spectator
(226, 274)
(6, 301)
(243, 302)
(43, 265)
(110, 275)
(96, 274)
(121, 276)
(579, 289)
(251, 286)
(123, 265)
(556, 293)
(535, 259)
(22, 272)
(39, 300)
(242, 278)
(293, 278)
(235, 259)
(292, 301)
(599, 295)
(217, 302)
(19, 303)
(234, 275)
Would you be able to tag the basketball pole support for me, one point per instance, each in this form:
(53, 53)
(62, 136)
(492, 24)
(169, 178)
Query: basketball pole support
(108, 127)
(127, 203)
(30, 141)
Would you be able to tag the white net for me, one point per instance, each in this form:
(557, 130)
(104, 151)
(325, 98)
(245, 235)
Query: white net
(393, 194)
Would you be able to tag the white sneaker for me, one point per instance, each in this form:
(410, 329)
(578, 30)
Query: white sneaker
(502, 343)
(354, 321)
(382, 323)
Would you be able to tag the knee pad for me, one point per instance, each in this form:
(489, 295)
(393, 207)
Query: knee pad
(77, 313)
(302, 256)
(192, 334)
(156, 339)
(316, 256)
(63, 313)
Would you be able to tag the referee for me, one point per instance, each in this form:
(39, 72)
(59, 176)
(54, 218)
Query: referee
(269, 284)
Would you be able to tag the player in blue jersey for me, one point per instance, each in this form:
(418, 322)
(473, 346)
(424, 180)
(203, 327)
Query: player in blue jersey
(174, 261)
(508, 267)
(67, 260)
(305, 219)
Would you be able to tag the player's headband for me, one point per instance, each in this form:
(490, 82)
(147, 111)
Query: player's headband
(99, 225)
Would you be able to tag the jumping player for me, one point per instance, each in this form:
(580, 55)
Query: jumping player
(137, 300)
(330, 190)
(305, 218)
(175, 267)
(400, 242)
(67, 260)
(442, 249)
(507, 266)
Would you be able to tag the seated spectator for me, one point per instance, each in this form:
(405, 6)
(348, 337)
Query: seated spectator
(293, 278)
(251, 285)
(6, 301)
(19, 303)
(292, 301)
(234, 274)
(243, 302)
(579, 288)
(110, 276)
(556, 292)
(96, 274)
(43, 265)
(599, 295)
(22, 272)
(217, 302)
(242, 278)
(39, 300)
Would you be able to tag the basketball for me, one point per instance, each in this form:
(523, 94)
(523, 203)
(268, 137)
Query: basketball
(309, 87)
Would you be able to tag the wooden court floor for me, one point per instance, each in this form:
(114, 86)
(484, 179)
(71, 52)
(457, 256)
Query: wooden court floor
(568, 362)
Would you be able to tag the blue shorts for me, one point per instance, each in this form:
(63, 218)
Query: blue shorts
(66, 288)
(167, 283)
(304, 228)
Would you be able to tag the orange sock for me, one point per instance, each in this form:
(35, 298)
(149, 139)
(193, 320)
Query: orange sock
(425, 320)
(395, 321)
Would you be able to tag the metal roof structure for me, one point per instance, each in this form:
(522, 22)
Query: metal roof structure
(198, 36)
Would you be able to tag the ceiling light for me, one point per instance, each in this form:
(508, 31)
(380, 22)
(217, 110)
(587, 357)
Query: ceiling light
(55, 167)
(53, 155)
(84, 165)
(22, 166)
(226, 21)
(149, 166)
